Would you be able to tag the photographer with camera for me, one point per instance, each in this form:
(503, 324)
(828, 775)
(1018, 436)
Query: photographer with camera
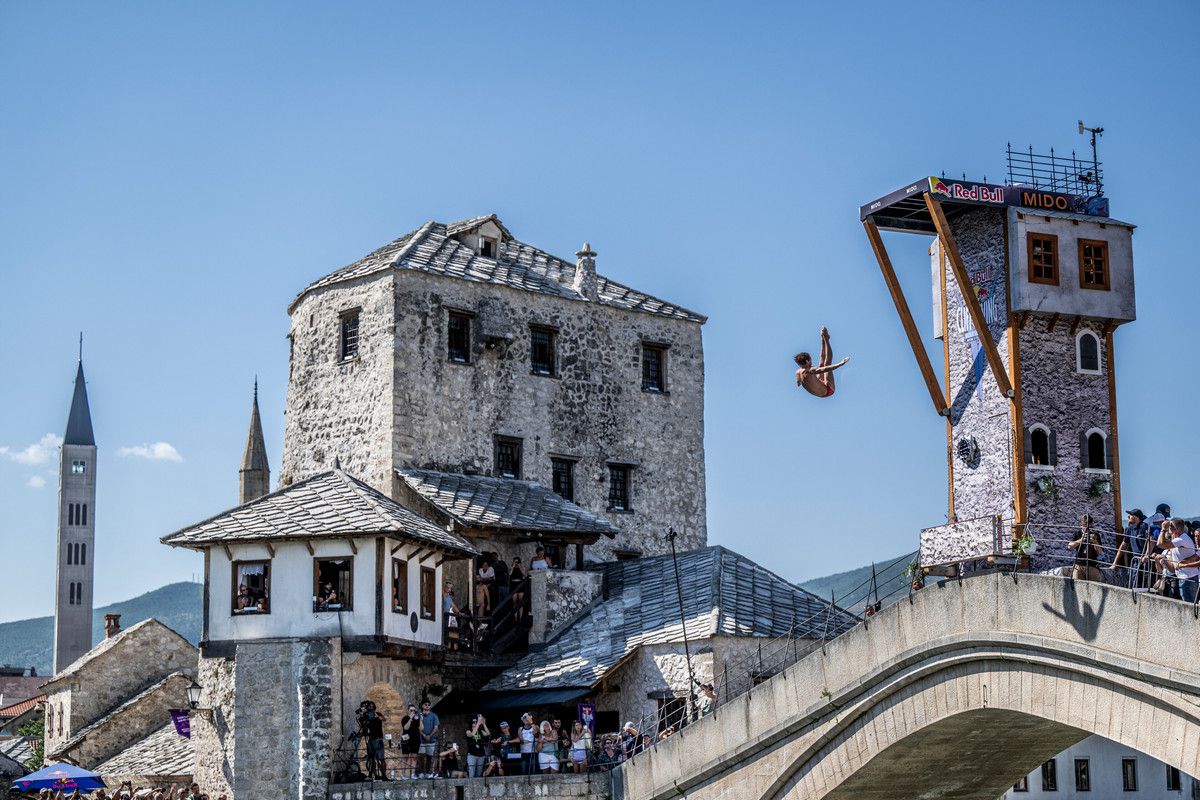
(478, 737)
(370, 727)
(410, 742)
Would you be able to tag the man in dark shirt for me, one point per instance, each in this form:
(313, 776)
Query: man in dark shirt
(376, 755)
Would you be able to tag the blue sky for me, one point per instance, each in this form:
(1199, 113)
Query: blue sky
(173, 174)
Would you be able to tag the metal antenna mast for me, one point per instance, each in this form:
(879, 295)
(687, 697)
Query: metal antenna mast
(1096, 133)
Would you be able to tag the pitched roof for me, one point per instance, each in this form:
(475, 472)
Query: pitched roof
(255, 455)
(725, 594)
(163, 753)
(17, 709)
(330, 504)
(18, 748)
(13, 768)
(79, 423)
(105, 719)
(433, 248)
(476, 501)
(81, 663)
(19, 687)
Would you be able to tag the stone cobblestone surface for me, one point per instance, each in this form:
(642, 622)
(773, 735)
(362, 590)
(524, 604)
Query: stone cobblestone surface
(593, 787)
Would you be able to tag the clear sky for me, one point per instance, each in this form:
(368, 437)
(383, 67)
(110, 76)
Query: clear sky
(174, 173)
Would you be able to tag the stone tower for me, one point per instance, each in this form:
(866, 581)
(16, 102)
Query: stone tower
(76, 532)
(1029, 287)
(254, 478)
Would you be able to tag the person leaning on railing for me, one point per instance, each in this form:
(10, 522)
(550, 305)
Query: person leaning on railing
(1180, 558)
(1088, 548)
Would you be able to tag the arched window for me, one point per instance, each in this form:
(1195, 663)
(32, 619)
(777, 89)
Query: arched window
(1087, 353)
(1093, 450)
(1040, 446)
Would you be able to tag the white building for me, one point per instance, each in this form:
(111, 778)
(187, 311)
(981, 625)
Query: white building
(1100, 768)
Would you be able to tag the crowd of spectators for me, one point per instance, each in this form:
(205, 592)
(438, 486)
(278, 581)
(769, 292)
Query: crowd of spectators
(127, 791)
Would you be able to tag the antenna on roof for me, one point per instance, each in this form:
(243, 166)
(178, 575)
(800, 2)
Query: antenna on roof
(1096, 133)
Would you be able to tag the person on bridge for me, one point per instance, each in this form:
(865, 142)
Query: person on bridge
(818, 380)
(1088, 548)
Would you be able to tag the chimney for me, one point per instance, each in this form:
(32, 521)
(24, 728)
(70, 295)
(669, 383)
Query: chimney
(112, 625)
(585, 273)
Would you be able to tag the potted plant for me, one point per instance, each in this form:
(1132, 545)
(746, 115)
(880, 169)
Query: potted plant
(1045, 485)
(1100, 487)
(915, 575)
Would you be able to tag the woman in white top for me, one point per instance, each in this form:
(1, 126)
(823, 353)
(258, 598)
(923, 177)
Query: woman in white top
(581, 745)
(1182, 559)
(540, 561)
(548, 748)
(528, 736)
(485, 576)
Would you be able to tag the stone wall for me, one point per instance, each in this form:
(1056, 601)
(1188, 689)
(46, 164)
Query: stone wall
(557, 598)
(212, 726)
(597, 786)
(131, 722)
(445, 415)
(391, 684)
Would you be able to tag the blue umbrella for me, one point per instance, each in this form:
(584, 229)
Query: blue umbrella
(60, 776)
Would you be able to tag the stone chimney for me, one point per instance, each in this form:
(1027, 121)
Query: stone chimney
(112, 625)
(585, 273)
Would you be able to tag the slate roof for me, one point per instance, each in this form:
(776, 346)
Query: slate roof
(330, 504)
(164, 753)
(11, 767)
(84, 732)
(18, 748)
(724, 594)
(79, 664)
(432, 248)
(476, 501)
(79, 423)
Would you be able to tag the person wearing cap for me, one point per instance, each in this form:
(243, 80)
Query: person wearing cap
(629, 739)
(508, 745)
(1134, 541)
(526, 737)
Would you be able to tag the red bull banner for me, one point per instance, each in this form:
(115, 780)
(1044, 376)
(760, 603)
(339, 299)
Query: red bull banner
(948, 189)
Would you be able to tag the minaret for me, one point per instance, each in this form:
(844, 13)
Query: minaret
(255, 474)
(76, 532)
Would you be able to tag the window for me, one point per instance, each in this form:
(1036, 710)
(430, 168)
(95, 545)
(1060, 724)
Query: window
(1043, 258)
(83, 513)
(562, 479)
(78, 467)
(251, 587)
(1040, 446)
(508, 457)
(1093, 264)
(671, 711)
(1129, 774)
(1094, 450)
(1087, 353)
(487, 247)
(1173, 781)
(70, 552)
(1050, 776)
(399, 586)
(71, 590)
(541, 350)
(1083, 776)
(428, 593)
(83, 553)
(333, 584)
(654, 368)
(458, 338)
(618, 487)
(349, 335)
(1021, 785)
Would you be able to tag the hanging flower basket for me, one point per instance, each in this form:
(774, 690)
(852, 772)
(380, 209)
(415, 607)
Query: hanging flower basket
(1100, 487)
(1045, 485)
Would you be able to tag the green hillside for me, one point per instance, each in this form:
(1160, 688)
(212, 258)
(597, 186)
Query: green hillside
(852, 588)
(30, 642)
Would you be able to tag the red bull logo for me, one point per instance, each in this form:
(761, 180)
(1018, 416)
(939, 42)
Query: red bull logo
(975, 192)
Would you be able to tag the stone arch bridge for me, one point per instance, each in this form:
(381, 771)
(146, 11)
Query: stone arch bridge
(956, 693)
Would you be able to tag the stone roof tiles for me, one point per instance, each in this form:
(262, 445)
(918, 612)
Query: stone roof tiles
(82, 734)
(107, 644)
(17, 709)
(476, 501)
(163, 753)
(725, 594)
(330, 504)
(434, 249)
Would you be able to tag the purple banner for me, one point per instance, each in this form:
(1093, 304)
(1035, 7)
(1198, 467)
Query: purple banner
(183, 725)
(587, 715)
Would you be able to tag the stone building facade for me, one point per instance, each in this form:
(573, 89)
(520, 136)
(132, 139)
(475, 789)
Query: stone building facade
(455, 340)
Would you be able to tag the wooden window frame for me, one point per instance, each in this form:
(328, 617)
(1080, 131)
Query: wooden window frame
(1099, 370)
(627, 470)
(661, 351)
(400, 574)
(1129, 779)
(346, 601)
(552, 344)
(519, 455)
(234, 611)
(569, 463)
(1050, 776)
(469, 320)
(1030, 236)
(1087, 775)
(348, 349)
(1083, 284)
(428, 613)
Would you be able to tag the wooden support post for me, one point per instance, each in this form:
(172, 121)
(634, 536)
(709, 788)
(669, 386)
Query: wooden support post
(1075, 324)
(309, 546)
(1018, 433)
(946, 366)
(397, 547)
(1022, 318)
(353, 546)
(228, 552)
(1112, 418)
(950, 248)
(270, 549)
(1050, 325)
(579, 555)
(910, 328)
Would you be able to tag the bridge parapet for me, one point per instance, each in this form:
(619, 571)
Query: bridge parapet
(1062, 659)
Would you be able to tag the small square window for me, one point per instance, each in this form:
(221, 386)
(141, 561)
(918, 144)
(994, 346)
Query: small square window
(458, 338)
(333, 584)
(562, 477)
(399, 586)
(428, 593)
(251, 587)
(618, 487)
(1093, 264)
(1021, 785)
(508, 457)
(78, 467)
(487, 247)
(541, 350)
(654, 368)
(348, 348)
(1043, 258)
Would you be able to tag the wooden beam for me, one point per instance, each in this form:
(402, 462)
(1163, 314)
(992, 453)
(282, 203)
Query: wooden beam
(353, 546)
(397, 547)
(1022, 318)
(228, 552)
(910, 328)
(1018, 432)
(308, 545)
(1112, 420)
(950, 248)
(946, 369)
(270, 549)
(1050, 325)
(1075, 324)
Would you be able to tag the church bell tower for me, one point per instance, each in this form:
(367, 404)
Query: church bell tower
(76, 532)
